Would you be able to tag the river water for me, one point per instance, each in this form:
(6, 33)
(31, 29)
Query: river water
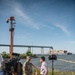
(64, 62)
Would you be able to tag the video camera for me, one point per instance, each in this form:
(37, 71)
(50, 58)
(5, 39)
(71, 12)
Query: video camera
(52, 57)
(11, 64)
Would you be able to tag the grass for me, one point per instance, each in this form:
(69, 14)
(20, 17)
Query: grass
(62, 73)
(55, 72)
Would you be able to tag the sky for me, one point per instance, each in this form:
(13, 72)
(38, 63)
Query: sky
(39, 22)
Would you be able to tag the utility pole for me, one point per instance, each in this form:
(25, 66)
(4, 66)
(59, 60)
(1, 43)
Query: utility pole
(11, 29)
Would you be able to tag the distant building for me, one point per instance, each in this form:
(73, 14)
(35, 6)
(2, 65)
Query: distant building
(57, 52)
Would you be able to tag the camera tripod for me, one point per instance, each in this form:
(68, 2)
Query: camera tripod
(52, 67)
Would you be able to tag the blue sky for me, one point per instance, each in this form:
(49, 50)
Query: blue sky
(41, 22)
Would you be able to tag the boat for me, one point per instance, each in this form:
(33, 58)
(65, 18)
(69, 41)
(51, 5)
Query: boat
(69, 53)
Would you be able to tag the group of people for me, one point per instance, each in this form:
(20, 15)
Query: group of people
(27, 67)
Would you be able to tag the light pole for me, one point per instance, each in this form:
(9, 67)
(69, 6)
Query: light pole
(11, 29)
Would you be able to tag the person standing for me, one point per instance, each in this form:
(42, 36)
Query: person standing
(44, 67)
(27, 66)
(1, 60)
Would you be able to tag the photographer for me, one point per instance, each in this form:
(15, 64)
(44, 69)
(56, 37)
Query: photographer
(12, 66)
(17, 65)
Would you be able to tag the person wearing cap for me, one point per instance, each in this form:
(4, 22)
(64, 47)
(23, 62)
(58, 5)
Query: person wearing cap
(27, 66)
(44, 67)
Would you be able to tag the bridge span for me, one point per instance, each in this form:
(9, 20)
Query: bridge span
(29, 47)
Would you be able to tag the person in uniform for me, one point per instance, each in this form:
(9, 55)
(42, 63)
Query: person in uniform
(44, 67)
(27, 66)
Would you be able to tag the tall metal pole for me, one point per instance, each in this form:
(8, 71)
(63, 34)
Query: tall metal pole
(11, 19)
(11, 38)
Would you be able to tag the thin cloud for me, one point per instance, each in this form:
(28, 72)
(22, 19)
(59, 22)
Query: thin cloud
(17, 10)
(64, 29)
(24, 18)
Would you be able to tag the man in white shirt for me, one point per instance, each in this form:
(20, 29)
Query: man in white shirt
(44, 67)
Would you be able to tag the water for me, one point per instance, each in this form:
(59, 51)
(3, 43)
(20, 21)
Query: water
(1, 72)
(59, 65)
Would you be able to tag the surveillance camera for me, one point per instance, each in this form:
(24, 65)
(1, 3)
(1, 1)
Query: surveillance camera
(7, 20)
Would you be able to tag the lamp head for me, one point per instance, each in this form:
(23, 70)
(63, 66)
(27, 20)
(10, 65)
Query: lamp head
(7, 20)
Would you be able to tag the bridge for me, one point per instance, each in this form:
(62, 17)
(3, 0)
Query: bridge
(29, 47)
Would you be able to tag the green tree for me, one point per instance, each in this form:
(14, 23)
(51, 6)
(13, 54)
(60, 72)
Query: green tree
(22, 56)
(28, 53)
(5, 55)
